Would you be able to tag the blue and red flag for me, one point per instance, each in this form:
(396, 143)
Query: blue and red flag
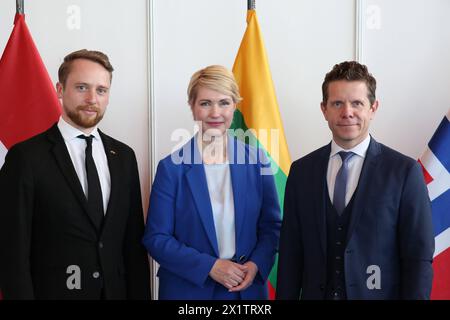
(436, 169)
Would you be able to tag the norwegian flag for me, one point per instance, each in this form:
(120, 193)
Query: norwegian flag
(436, 167)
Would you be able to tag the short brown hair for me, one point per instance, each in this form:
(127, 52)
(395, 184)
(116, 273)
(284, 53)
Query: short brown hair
(350, 71)
(94, 56)
(217, 78)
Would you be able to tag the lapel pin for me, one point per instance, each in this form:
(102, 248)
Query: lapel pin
(112, 152)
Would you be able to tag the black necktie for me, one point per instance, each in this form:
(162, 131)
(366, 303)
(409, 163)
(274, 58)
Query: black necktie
(94, 194)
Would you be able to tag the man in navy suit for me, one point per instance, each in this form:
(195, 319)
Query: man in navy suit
(357, 217)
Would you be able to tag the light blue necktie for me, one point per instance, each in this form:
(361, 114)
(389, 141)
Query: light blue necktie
(340, 185)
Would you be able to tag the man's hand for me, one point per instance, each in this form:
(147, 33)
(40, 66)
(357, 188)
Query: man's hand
(228, 273)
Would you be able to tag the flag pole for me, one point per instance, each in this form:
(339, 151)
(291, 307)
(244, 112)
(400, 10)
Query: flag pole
(19, 7)
(251, 4)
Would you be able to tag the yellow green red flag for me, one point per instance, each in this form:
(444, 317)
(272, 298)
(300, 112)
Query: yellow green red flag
(259, 110)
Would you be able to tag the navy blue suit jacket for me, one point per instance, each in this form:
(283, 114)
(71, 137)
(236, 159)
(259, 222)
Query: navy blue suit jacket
(390, 228)
(180, 233)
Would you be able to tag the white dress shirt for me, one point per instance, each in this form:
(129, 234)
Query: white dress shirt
(218, 178)
(355, 164)
(77, 148)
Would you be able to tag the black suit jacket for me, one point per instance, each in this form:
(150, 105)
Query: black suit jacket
(390, 228)
(49, 245)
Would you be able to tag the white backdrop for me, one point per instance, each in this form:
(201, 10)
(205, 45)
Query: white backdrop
(409, 53)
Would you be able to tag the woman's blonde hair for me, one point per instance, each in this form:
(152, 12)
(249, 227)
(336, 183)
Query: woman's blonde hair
(214, 77)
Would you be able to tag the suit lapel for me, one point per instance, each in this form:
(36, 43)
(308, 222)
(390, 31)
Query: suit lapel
(238, 174)
(113, 158)
(196, 177)
(66, 167)
(367, 172)
(319, 182)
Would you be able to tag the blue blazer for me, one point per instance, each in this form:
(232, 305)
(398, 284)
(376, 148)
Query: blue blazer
(390, 227)
(180, 233)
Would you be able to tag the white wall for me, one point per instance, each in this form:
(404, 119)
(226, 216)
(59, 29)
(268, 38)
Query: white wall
(409, 53)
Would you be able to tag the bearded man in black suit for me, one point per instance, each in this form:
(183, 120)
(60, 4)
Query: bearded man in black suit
(71, 219)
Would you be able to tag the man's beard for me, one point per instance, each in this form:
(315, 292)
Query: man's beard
(82, 120)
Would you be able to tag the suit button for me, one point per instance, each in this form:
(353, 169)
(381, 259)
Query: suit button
(242, 258)
(322, 287)
(96, 274)
(100, 245)
(338, 272)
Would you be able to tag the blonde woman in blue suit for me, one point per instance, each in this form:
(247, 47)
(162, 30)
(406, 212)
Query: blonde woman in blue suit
(213, 219)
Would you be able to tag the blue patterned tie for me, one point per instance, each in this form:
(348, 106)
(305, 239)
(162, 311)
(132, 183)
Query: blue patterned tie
(340, 185)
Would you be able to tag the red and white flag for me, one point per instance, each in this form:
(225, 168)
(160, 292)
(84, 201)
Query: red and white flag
(28, 100)
(436, 169)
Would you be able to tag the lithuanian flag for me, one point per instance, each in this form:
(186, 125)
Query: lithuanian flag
(259, 110)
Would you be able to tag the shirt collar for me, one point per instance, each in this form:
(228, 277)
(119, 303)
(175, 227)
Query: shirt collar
(360, 149)
(69, 132)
